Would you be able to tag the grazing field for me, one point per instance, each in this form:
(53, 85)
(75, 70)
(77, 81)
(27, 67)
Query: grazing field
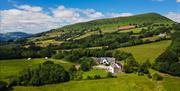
(93, 72)
(147, 51)
(124, 82)
(135, 30)
(10, 68)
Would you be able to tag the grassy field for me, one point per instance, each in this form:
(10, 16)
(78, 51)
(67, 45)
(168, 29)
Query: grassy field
(94, 72)
(135, 30)
(13, 67)
(124, 82)
(147, 51)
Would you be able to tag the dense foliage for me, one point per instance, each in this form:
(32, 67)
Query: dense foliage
(86, 63)
(32, 51)
(130, 65)
(169, 60)
(76, 55)
(3, 86)
(46, 73)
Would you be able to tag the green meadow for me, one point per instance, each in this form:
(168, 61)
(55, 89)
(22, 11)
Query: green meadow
(93, 72)
(13, 67)
(147, 51)
(124, 82)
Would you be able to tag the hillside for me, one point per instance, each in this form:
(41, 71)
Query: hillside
(119, 21)
(13, 36)
(83, 29)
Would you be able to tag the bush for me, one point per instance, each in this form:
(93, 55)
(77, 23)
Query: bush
(130, 65)
(168, 62)
(88, 77)
(3, 86)
(149, 75)
(46, 73)
(143, 68)
(97, 77)
(58, 56)
(109, 75)
(175, 69)
(157, 77)
(72, 72)
(86, 63)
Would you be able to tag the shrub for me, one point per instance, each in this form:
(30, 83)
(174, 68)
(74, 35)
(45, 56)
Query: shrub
(130, 65)
(72, 72)
(86, 63)
(143, 68)
(157, 77)
(97, 77)
(88, 77)
(149, 75)
(58, 56)
(3, 85)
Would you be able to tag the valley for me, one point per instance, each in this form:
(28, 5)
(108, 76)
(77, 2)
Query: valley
(144, 49)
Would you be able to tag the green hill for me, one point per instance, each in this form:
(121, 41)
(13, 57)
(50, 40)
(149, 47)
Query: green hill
(112, 22)
(136, 19)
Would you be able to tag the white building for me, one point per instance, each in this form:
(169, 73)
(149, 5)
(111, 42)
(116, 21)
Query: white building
(105, 60)
(162, 35)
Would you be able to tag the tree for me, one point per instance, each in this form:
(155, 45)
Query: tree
(175, 69)
(119, 55)
(157, 77)
(72, 72)
(130, 65)
(87, 63)
(143, 68)
(165, 60)
(46, 73)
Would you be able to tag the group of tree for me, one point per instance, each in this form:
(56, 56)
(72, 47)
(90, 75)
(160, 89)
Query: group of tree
(46, 73)
(168, 61)
(132, 66)
(95, 40)
(86, 63)
(76, 54)
(32, 51)
(151, 31)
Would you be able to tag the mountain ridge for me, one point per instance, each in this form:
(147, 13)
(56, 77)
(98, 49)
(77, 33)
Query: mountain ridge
(13, 36)
(117, 21)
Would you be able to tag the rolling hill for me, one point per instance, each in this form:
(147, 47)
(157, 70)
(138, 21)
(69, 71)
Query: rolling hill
(106, 25)
(13, 36)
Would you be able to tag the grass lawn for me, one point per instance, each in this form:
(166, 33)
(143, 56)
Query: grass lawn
(13, 67)
(124, 82)
(94, 72)
(147, 51)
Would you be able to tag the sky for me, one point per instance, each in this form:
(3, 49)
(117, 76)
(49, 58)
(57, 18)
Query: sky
(34, 16)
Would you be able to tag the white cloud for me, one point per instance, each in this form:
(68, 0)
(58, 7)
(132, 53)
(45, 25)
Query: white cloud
(174, 16)
(29, 8)
(32, 19)
(120, 14)
(177, 0)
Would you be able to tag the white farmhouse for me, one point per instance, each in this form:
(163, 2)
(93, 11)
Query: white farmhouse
(162, 35)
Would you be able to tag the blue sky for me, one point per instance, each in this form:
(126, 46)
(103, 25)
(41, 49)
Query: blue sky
(31, 15)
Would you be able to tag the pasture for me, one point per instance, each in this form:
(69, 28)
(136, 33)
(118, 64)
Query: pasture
(147, 51)
(124, 82)
(93, 72)
(13, 67)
